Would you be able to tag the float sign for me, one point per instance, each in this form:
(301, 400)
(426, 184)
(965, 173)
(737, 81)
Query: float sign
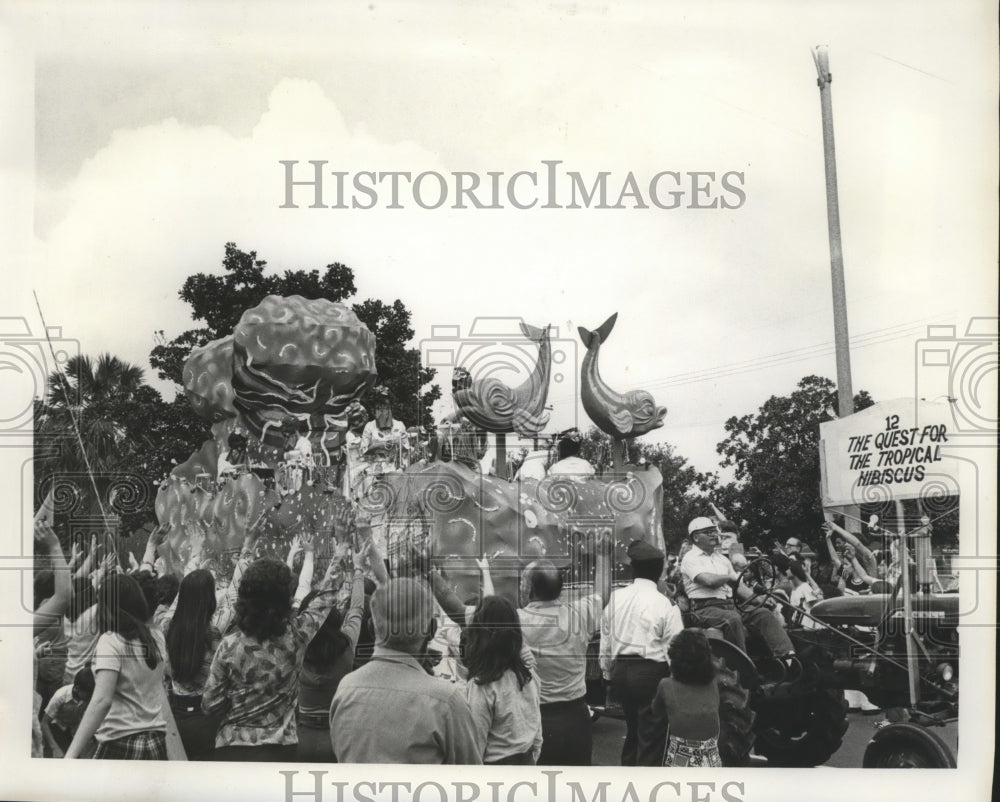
(897, 449)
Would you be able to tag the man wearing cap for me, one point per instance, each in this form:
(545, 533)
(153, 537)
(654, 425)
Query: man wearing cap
(636, 628)
(709, 581)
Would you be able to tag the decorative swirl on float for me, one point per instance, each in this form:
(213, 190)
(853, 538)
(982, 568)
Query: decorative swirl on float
(443, 495)
(625, 495)
(558, 494)
(380, 498)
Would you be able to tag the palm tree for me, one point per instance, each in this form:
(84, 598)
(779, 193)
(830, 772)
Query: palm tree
(89, 393)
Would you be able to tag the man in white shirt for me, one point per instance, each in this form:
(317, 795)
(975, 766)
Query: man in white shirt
(570, 464)
(709, 582)
(636, 628)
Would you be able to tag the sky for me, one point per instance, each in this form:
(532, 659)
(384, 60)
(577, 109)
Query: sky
(137, 139)
(158, 138)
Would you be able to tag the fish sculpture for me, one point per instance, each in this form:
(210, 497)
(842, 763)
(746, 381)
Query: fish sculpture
(622, 415)
(493, 406)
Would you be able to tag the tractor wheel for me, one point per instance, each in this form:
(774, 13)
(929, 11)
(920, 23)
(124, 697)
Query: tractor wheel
(804, 731)
(907, 746)
(735, 717)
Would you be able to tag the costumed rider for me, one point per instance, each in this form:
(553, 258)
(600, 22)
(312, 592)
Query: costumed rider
(384, 441)
(233, 460)
(353, 463)
(298, 457)
(709, 583)
(569, 462)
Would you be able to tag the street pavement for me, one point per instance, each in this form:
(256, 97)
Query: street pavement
(609, 733)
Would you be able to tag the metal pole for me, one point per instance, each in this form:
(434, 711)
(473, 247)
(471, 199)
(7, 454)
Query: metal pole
(841, 338)
(911, 645)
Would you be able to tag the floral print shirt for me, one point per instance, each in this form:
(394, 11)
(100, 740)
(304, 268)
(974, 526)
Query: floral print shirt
(255, 684)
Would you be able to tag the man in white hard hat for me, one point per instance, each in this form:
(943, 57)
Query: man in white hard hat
(709, 582)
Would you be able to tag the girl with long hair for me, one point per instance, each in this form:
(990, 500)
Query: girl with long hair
(254, 678)
(502, 691)
(125, 713)
(191, 644)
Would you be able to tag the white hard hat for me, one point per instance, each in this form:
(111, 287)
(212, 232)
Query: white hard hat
(698, 524)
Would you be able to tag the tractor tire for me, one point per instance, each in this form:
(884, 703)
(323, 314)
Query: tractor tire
(736, 737)
(907, 746)
(813, 730)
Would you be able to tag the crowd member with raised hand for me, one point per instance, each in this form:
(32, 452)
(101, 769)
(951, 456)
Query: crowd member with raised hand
(125, 712)
(227, 594)
(84, 632)
(329, 657)
(254, 678)
(502, 691)
(48, 628)
(191, 644)
(558, 630)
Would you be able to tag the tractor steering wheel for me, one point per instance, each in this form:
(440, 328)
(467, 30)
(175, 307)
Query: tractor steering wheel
(759, 577)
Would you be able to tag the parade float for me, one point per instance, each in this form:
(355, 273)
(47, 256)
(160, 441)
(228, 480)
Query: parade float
(278, 395)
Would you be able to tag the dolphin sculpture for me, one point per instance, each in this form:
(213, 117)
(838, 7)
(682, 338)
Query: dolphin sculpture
(622, 415)
(491, 405)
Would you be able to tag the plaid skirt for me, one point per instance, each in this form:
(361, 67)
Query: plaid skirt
(148, 745)
(692, 754)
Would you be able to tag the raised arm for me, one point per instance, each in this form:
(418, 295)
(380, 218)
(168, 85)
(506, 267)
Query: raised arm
(864, 553)
(308, 545)
(58, 604)
(602, 568)
(484, 569)
(450, 603)
(830, 549)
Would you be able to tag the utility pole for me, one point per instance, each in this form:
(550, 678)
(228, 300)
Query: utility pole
(841, 338)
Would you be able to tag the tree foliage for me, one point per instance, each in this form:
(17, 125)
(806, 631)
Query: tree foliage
(99, 417)
(218, 301)
(775, 454)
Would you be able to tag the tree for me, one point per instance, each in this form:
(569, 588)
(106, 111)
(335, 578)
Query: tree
(219, 301)
(100, 418)
(775, 453)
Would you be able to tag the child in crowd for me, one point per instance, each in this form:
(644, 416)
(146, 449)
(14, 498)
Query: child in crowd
(125, 713)
(689, 699)
(501, 690)
(65, 711)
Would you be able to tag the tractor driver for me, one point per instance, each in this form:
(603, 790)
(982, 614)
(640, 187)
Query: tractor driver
(709, 582)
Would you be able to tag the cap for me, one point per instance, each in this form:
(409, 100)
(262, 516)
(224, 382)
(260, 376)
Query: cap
(639, 550)
(699, 524)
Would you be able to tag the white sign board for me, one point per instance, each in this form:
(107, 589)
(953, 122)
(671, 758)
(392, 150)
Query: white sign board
(894, 450)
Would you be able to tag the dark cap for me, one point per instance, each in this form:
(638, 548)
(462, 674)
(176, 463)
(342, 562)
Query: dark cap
(639, 550)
